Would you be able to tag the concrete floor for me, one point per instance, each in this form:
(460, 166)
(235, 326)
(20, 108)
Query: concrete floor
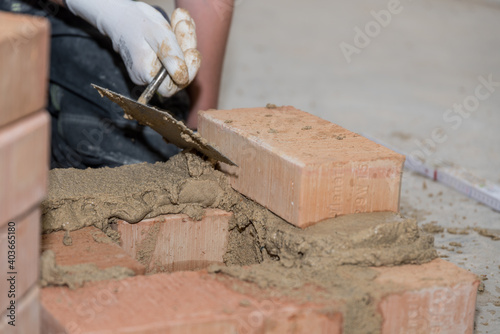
(398, 89)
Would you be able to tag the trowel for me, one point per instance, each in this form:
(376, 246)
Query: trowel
(161, 121)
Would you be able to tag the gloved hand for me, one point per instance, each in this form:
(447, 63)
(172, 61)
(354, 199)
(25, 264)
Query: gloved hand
(145, 40)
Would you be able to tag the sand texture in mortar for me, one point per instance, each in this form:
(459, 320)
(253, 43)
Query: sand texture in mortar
(94, 197)
(334, 255)
(76, 275)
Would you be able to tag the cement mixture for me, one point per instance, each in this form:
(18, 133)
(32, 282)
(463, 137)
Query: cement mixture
(333, 255)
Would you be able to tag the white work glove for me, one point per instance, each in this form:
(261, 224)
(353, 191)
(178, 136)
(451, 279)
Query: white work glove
(145, 40)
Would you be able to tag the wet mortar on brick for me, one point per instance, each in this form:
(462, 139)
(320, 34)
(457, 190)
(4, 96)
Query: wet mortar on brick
(333, 256)
(75, 276)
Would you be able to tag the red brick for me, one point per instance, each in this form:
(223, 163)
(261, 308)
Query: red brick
(24, 51)
(24, 148)
(437, 296)
(85, 249)
(301, 167)
(181, 243)
(28, 318)
(27, 248)
(182, 302)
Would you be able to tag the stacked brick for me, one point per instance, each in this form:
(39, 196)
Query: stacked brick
(436, 297)
(359, 176)
(24, 163)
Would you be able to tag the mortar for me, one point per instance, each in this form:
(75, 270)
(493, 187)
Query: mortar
(334, 255)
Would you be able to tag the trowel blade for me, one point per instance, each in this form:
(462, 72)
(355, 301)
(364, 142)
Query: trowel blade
(162, 122)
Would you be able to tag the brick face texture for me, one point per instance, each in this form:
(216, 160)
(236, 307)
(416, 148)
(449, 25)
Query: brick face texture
(301, 167)
(182, 302)
(180, 243)
(24, 148)
(24, 51)
(85, 249)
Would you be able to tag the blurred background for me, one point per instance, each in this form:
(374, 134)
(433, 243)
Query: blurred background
(409, 78)
(396, 87)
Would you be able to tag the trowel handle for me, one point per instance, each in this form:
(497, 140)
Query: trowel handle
(153, 86)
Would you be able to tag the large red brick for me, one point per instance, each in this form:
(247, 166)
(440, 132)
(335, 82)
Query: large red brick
(182, 302)
(85, 249)
(435, 297)
(24, 165)
(177, 242)
(24, 54)
(301, 167)
(27, 255)
(27, 315)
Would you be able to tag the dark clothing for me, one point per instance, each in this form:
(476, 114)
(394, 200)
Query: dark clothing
(87, 130)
